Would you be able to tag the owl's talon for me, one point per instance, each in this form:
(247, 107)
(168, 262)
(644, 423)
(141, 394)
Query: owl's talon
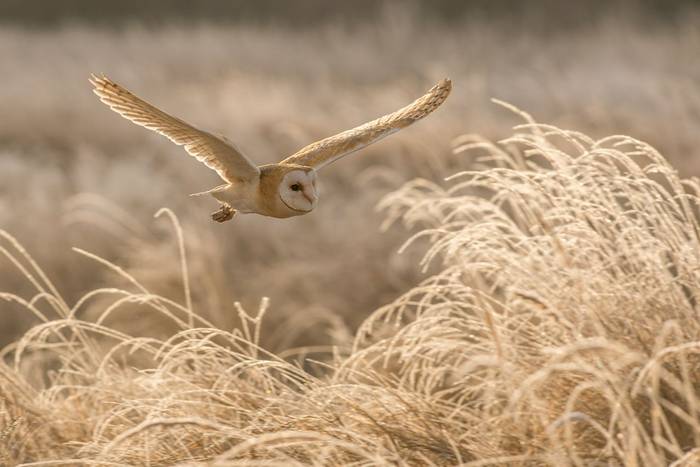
(224, 214)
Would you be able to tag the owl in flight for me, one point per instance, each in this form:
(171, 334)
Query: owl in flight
(281, 190)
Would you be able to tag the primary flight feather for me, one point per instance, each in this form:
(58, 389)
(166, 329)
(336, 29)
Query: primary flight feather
(285, 189)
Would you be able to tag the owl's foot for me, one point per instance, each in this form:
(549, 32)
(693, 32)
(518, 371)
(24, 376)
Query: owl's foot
(224, 214)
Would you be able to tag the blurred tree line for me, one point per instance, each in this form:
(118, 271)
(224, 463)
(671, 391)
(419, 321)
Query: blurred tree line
(552, 14)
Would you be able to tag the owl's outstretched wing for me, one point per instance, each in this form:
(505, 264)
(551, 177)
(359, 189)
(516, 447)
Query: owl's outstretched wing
(328, 150)
(216, 153)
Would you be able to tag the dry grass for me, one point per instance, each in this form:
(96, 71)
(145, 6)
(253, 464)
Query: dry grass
(560, 328)
(558, 322)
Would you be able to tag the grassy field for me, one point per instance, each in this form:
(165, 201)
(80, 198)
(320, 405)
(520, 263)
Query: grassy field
(544, 313)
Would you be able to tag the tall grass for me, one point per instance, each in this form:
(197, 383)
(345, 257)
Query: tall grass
(559, 327)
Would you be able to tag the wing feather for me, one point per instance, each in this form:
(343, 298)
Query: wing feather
(322, 153)
(216, 153)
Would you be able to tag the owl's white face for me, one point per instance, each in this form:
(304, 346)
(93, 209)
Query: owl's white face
(298, 190)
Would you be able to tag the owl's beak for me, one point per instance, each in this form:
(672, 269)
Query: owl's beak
(311, 198)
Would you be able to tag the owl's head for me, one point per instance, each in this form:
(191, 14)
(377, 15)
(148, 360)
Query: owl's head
(298, 189)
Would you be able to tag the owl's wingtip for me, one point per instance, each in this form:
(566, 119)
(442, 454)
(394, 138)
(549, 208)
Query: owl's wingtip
(443, 86)
(98, 82)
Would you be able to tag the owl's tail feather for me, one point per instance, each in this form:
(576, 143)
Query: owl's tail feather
(216, 188)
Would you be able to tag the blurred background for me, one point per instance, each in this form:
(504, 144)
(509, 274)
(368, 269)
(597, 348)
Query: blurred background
(274, 76)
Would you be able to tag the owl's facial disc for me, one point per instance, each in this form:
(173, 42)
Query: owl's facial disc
(298, 190)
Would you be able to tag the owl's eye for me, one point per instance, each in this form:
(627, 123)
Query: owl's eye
(295, 187)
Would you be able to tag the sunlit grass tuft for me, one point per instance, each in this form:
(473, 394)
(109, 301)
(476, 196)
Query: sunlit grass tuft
(559, 326)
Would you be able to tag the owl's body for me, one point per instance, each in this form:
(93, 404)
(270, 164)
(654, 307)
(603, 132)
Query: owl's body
(261, 196)
(281, 190)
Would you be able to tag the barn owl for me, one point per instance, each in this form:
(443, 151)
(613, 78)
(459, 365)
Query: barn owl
(286, 189)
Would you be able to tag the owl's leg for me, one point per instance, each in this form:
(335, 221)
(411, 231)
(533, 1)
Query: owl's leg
(225, 213)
